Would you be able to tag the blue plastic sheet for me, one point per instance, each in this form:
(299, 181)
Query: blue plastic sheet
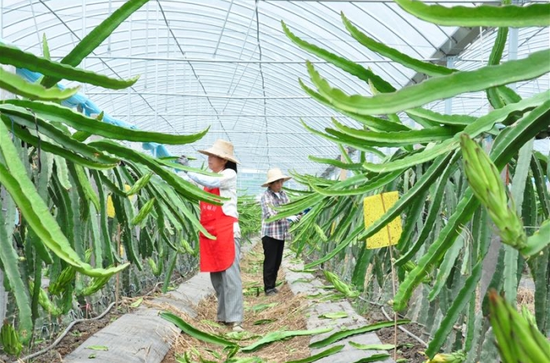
(89, 108)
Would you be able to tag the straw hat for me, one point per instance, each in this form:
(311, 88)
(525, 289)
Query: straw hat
(222, 149)
(274, 175)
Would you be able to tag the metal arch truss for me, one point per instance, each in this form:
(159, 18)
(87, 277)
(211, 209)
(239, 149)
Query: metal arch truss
(227, 63)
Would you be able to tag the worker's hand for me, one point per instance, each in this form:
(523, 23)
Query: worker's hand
(183, 160)
(292, 219)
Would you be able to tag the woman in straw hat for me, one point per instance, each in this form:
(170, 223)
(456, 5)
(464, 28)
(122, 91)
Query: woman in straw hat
(220, 257)
(274, 233)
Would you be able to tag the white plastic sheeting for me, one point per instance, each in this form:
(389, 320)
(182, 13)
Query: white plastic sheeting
(227, 64)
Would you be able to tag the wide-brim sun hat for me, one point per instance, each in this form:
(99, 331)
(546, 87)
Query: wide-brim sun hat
(274, 175)
(222, 149)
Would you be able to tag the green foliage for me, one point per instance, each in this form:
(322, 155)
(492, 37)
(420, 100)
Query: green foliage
(340, 285)
(325, 353)
(92, 40)
(17, 85)
(74, 196)
(484, 179)
(434, 88)
(276, 336)
(250, 216)
(342, 334)
(10, 340)
(505, 16)
(13, 177)
(194, 332)
(443, 247)
(21, 59)
(517, 338)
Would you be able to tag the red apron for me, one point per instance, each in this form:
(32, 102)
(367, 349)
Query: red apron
(216, 254)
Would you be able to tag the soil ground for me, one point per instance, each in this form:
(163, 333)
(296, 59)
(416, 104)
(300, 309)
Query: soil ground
(76, 336)
(78, 333)
(263, 314)
(407, 347)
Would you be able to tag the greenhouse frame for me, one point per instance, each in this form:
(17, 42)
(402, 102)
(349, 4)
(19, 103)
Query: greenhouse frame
(415, 136)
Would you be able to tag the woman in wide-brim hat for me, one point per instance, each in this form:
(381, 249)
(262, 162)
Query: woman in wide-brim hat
(220, 256)
(274, 175)
(274, 233)
(221, 149)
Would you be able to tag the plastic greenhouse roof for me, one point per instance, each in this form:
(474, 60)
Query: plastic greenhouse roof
(227, 64)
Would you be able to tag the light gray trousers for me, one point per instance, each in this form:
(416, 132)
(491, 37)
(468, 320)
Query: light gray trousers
(229, 290)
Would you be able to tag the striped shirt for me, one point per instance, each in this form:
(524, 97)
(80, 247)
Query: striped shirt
(279, 228)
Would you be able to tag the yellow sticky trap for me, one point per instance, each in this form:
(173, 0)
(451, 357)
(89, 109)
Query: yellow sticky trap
(374, 207)
(110, 205)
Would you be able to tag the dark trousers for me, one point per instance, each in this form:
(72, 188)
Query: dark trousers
(273, 253)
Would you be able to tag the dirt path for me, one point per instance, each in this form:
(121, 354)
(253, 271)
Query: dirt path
(282, 312)
(263, 314)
